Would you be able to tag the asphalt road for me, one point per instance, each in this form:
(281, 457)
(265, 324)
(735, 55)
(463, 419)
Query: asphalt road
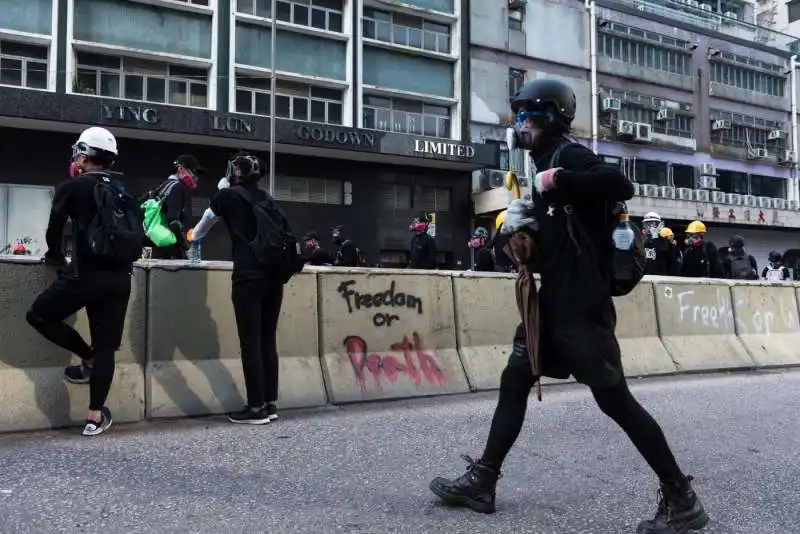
(365, 469)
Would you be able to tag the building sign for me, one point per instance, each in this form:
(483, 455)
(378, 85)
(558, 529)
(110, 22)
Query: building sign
(439, 148)
(337, 137)
(133, 114)
(234, 125)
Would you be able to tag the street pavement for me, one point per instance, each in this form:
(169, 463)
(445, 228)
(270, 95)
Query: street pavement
(365, 468)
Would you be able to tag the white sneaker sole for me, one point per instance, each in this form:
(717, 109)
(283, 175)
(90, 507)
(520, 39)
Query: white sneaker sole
(249, 421)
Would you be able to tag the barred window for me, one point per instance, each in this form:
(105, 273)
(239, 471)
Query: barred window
(308, 190)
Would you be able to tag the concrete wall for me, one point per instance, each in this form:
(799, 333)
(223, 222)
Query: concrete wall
(352, 335)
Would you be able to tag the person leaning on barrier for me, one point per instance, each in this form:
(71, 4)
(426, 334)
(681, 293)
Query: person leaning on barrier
(565, 233)
(700, 258)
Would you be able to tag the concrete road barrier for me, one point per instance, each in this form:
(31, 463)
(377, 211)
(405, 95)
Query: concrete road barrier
(767, 322)
(697, 325)
(33, 393)
(388, 334)
(194, 362)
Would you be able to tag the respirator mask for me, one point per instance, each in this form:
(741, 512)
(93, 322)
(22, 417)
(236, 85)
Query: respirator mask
(523, 134)
(475, 242)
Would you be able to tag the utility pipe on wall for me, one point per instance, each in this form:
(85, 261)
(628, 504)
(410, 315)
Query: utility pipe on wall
(590, 5)
(274, 67)
(793, 86)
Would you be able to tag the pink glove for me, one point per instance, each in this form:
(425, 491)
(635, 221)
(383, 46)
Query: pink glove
(546, 180)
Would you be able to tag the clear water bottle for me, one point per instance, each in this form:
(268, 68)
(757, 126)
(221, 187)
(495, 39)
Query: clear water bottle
(195, 252)
(623, 235)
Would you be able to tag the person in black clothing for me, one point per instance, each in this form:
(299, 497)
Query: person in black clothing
(739, 265)
(176, 195)
(423, 246)
(89, 282)
(257, 293)
(314, 253)
(347, 253)
(660, 252)
(577, 316)
(484, 261)
(700, 258)
(775, 271)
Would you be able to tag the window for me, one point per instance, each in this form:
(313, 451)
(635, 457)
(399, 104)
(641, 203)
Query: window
(320, 14)
(748, 79)
(23, 65)
(292, 100)
(748, 131)
(767, 186)
(308, 190)
(406, 116)
(138, 79)
(650, 172)
(516, 79)
(396, 196)
(407, 72)
(732, 182)
(194, 2)
(683, 176)
(406, 30)
(24, 212)
(513, 160)
(436, 199)
(650, 50)
(516, 19)
(793, 9)
(680, 126)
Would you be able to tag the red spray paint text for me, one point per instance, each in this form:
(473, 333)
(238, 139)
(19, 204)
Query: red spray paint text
(390, 364)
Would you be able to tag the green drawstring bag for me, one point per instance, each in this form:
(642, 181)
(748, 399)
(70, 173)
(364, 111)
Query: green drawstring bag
(155, 222)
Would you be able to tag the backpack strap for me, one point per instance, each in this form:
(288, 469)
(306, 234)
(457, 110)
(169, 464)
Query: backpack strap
(164, 190)
(245, 194)
(565, 142)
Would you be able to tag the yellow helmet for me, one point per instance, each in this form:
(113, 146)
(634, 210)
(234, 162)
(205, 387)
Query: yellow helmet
(501, 218)
(666, 233)
(696, 227)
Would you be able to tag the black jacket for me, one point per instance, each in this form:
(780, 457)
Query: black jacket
(736, 254)
(578, 318)
(423, 252)
(348, 255)
(663, 258)
(484, 261)
(701, 262)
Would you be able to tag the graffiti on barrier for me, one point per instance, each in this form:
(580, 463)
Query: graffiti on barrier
(382, 299)
(407, 357)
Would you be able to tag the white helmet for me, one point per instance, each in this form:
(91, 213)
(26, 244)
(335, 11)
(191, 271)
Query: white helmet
(651, 216)
(652, 224)
(98, 139)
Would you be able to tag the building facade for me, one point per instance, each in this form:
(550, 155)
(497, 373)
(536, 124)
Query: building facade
(692, 100)
(371, 128)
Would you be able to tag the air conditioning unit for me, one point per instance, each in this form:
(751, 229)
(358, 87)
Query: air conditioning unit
(693, 3)
(612, 104)
(665, 114)
(764, 202)
(708, 169)
(734, 199)
(731, 14)
(720, 124)
(775, 134)
(705, 182)
(718, 197)
(792, 205)
(650, 190)
(779, 203)
(625, 128)
(667, 191)
(749, 201)
(761, 153)
(642, 132)
(637, 190)
(684, 193)
(705, 7)
(701, 195)
(516, 4)
(495, 179)
(787, 156)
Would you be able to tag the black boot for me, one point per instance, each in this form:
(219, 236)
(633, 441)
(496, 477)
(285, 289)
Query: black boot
(474, 489)
(679, 510)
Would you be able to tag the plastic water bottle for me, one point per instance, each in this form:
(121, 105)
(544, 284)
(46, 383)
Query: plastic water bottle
(195, 253)
(623, 235)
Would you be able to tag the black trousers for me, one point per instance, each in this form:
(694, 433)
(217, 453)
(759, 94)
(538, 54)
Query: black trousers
(616, 402)
(105, 296)
(257, 307)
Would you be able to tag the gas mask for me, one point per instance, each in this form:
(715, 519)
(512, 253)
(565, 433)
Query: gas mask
(693, 240)
(186, 177)
(418, 227)
(524, 133)
(79, 153)
(476, 242)
(312, 244)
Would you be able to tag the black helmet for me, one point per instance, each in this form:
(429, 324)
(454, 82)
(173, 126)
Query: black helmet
(774, 256)
(736, 241)
(543, 92)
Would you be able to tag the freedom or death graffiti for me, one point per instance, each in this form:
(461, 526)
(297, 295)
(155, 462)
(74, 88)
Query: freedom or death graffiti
(406, 355)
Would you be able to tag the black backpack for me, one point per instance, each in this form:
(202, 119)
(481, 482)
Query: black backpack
(116, 233)
(741, 268)
(274, 246)
(629, 266)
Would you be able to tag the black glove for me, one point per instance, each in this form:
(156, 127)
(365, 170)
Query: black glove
(177, 229)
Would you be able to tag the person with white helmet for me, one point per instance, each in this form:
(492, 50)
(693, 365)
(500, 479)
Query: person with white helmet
(107, 238)
(701, 257)
(661, 253)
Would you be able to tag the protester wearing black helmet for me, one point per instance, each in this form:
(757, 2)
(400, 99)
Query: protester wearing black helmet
(571, 220)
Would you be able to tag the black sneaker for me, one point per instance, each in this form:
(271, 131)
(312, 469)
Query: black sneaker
(679, 510)
(249, 416)
(474, 489)
(272, 411)
(95, 428)
(78, 374)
